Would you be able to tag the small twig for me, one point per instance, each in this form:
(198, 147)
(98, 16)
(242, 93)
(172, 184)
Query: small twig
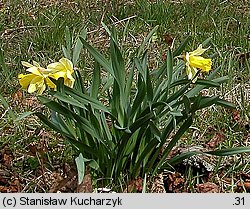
(11, 30)
(114, 23)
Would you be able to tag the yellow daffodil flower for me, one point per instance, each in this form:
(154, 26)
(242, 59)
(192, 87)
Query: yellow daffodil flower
(64, 69)
(195, 62)
(37, 79)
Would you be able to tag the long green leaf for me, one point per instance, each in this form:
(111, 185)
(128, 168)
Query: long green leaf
(96, 81)
(207, 83)
(86, 99)
(98, 56)
(80, 168)
(141, 48)
(169, 67)
(198, 88)
(230, 151)
(78, 46)
(182, 46)
(225, 103)
(173, 142)
(179, 158)
(146, 152)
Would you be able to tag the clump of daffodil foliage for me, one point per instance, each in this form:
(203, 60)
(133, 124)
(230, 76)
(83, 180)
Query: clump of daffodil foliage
(125, 122)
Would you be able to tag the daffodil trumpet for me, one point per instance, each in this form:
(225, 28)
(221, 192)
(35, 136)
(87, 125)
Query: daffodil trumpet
(195, 63)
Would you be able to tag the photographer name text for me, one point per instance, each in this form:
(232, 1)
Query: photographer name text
(71, 201)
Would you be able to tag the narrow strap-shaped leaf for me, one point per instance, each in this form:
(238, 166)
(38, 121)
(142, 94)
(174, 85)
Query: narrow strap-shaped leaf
(79, 83)
(198, 88)
(161, 72)
(68, 39)
(98, 56)
(69, 100)
(225, 103)
(173, 142)
(169, 67)
(85, 99)
(179, 158)
(149, 87)
(207, 101)
(230, 151)
(141, 48)
(181, 47)
(66, 125)
(56, 106)
(180, 82)
(66, 53)
(117, 64)
(178, 93)
(80, 168)
(207, 83)
(221, 79)
(52, 125)
(141, 122)
(128, 86)
(96, 81)
(154, 129)
(141, 92)
(146, 152)
(69, 114)
(78, 46)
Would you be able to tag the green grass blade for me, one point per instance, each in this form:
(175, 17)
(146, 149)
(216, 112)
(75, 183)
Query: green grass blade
(23, 115)
(7, 107)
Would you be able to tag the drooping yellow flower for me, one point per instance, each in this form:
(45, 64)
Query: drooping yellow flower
(37, 79)
(62, 69)
(195, 62)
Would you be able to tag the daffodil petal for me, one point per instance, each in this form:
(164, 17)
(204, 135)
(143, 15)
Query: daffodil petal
(25, 80)
(198, 51)
(50, 83)
(41, 89)
(34, 70)
(56, 66)
(26, 64)
(57, 75)
(32, 88)
(36, 64)
(67, 64)
(191, 72)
